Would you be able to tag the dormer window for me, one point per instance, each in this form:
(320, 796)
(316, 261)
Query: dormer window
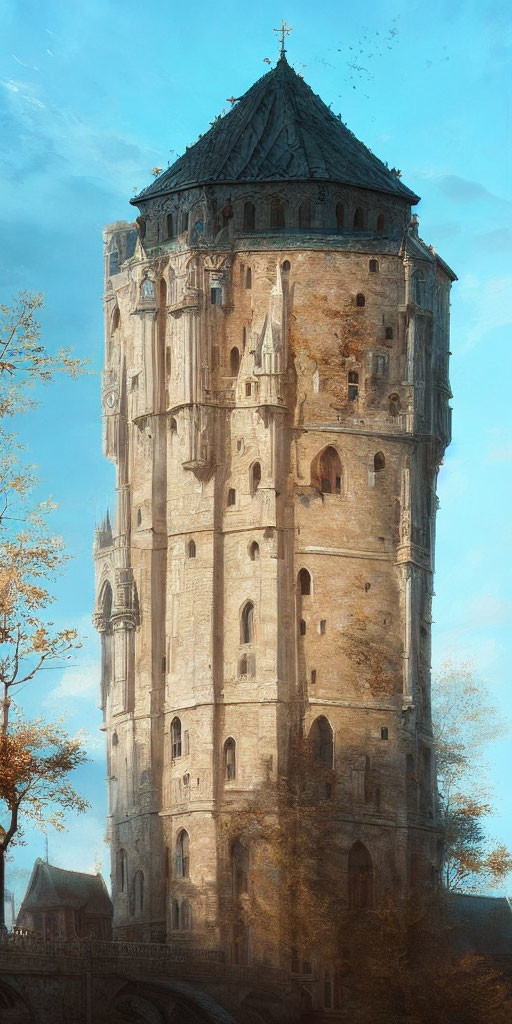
(359, 219)
(277, 217)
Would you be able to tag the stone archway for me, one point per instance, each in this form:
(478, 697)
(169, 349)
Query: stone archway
(13, 1009)
(161, 1003)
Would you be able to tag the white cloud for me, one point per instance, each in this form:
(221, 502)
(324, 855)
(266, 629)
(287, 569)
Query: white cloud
(81, 681)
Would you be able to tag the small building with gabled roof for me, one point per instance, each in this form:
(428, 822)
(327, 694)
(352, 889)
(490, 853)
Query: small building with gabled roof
(66, 904)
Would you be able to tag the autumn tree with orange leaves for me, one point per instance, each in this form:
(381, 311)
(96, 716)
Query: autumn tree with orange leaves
(35, 757)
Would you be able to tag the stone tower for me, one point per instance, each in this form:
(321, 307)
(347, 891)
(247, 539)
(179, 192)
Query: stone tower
(275, 400)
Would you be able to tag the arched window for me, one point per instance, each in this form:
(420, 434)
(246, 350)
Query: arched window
(175, 916)
(374, 266)
(302, 627)
(353, 385)
(286, 266)
(255, 477)
(254, 551)
(139, 517)
(230, 759)
(360, 299)
(191, 549)
(340, 216)
(359, 218)
(184, 220)
(381, 222)
(243, 668)
(328, 471)
(170, 226)
(389, 334)
(234, 361)
(394, 405)
(248, 278)
(138, 892)
(122, 865)
(231, 497)
(321, 740)
(379, 461)
(249, 216)
(182, 855)
(173, 425)
(239, 868)
(186, 916)
(304, 582)
(116, 319)
(115, 739)
(305, 215)
(175, 738)
(247, 623)
(277, 217)
(360, 877)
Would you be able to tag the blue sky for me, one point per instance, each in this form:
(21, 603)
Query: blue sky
(92, 96)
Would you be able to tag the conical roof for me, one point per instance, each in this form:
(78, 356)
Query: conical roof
(278, 131)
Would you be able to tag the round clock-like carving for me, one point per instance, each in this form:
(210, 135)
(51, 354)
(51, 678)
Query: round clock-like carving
(110, 399)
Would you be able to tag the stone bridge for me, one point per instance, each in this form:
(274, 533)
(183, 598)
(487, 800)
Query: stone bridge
(94, 982)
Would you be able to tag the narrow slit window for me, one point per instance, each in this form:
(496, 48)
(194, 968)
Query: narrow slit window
(249, 216)
(302, 627)
(231, 496)
(255, 477)
(340, 216)
(381, 222)
(247, 624)
(248, 278)
(353, 385)
(359, 219)
(305, 215)
(191, 549)
(234, 361)
(175, 738)
(230, 759)
(360, 300)
(254, 551)
(322, 626)
(277, 215)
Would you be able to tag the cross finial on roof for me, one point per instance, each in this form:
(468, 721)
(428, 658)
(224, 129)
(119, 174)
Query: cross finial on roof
(283, 31)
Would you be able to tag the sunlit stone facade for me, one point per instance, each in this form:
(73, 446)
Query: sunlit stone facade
(275, 400)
